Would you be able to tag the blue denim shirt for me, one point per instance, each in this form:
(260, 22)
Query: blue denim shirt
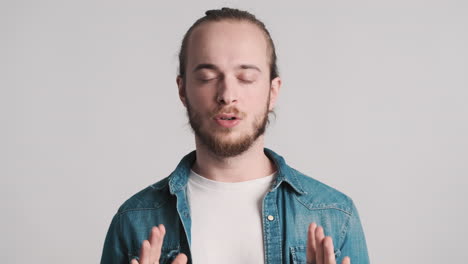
(293, 202)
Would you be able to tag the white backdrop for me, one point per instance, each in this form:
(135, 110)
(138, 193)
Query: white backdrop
(373, 104)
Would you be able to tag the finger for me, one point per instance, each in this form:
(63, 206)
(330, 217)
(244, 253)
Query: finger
(162, 231)
(156, 242)
(153, 238)
(311, 243)
(319, 235)
(145, 252)
(134, 261)
(329, 254)
(346, 260)
(180, 259)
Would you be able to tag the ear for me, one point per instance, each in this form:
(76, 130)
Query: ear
(274, 91)
(182, 95)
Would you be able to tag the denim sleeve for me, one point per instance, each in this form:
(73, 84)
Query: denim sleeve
(114, 251)
(354, 243)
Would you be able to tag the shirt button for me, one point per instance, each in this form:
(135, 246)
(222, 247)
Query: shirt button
(270, 217)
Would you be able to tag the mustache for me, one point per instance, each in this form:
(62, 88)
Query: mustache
(227, 110)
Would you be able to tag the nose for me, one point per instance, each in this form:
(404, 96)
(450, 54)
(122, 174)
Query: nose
(227, 91)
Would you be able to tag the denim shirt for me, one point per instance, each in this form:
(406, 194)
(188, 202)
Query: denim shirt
(293, 202)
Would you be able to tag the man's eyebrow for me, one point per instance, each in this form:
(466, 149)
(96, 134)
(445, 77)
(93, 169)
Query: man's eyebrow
(249, 66)
(205, 66)
(210, 66)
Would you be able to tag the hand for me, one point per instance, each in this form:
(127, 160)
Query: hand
(320, 247)
(151, 249)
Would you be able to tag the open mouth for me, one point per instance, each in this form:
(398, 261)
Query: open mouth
(228, 118)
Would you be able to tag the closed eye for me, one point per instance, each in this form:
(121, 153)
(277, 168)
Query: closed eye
(205, 80)
(247, 76)
(246, 81)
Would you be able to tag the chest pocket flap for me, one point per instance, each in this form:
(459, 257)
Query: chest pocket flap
(167, 255)
(299, 255)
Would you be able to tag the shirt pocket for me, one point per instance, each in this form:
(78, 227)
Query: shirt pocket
(299, 255)
(167, 255)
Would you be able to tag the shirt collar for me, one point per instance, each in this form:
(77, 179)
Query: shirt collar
(179, 177)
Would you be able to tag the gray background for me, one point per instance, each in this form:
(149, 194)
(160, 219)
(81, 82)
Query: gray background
(373, 104)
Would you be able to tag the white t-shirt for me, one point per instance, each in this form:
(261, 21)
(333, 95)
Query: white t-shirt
(227, 220)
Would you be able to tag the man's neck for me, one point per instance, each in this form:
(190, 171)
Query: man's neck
(249, 165)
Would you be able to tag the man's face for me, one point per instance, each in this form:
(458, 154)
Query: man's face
(227, 88)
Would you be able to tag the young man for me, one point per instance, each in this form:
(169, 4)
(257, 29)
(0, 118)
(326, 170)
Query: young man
(232, 200)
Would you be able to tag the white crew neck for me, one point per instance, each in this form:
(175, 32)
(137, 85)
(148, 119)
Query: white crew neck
(217, 185)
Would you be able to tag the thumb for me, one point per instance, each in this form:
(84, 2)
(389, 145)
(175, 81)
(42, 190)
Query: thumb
(180, 259)
(346, 260)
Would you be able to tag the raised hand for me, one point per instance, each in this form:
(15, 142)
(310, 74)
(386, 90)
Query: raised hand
(320, 247)
(151, 249)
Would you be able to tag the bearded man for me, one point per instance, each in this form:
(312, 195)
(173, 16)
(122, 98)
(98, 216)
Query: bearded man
(232, 200)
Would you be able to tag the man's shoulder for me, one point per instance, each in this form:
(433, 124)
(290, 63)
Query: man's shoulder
(318, 195)
(151, 197)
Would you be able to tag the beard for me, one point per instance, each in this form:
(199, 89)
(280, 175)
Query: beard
(217, 141)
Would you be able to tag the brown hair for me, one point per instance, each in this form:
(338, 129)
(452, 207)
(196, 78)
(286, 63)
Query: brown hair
(226, 13)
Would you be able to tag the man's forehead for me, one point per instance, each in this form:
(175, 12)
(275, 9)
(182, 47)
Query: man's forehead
(239, 41)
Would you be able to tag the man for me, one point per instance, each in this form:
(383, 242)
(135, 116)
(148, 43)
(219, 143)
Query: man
(232, 200)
